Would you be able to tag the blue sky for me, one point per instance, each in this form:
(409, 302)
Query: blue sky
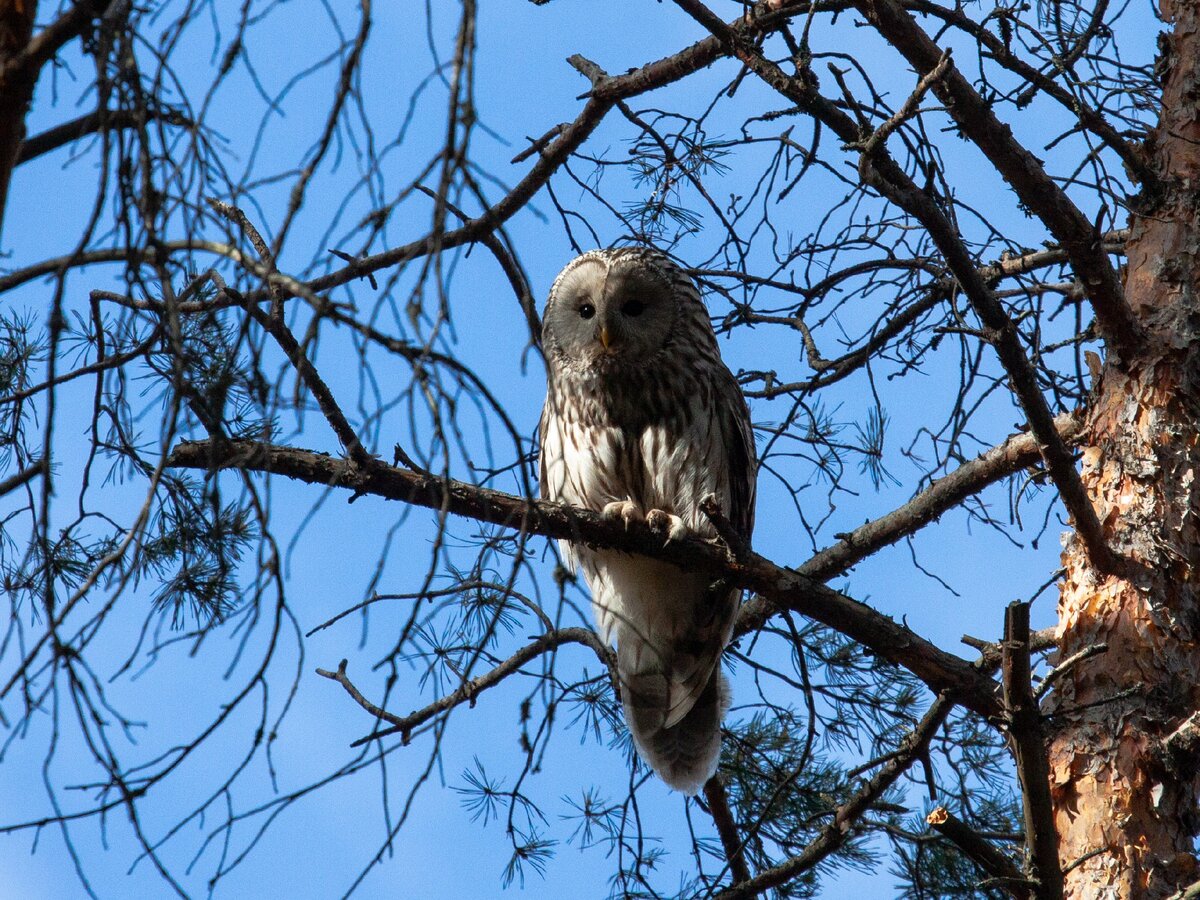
(317, 846)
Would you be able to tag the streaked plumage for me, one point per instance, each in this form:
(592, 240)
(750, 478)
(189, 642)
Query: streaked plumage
(643, 419)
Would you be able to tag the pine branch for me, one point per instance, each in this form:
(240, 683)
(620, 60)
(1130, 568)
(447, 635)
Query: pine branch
(1029, 748)
(842, 826)
(980, 851)
(467, 692)
(785, 588)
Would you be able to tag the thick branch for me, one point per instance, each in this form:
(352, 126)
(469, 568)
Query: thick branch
(1029, 749)
(127, 255)
(23, 477)
(722, 816)
(1020, 168)
(785, 588)
(882, 172)
(91, 123)
(16, 85)
(1016, 453)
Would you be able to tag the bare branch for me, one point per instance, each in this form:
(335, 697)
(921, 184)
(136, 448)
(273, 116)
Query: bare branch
(785, 588)
(731, 842)
(1020, 169)
(1029, 748)
(91, 123)
(469, 691)
(26, 475)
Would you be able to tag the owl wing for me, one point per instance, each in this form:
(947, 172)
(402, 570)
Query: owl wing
(742, 459)
(701, 640)
(675, 696)
(554, 457)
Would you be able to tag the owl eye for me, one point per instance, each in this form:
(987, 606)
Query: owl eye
(634, 308)
(587, 311)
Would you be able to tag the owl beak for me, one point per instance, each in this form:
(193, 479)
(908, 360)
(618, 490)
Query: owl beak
(603, 335)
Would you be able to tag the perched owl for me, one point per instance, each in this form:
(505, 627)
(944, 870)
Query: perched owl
(643, 420)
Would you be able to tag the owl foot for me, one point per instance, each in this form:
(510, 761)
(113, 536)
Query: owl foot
(624, 510)
(668, 523)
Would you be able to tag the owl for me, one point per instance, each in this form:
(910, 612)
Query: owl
(643, 421)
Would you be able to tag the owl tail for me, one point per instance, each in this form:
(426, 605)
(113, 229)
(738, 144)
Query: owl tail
(684, 754)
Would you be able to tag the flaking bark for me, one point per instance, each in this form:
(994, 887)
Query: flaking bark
(1116, 795)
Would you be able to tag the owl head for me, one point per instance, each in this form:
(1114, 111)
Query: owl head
(609, 309)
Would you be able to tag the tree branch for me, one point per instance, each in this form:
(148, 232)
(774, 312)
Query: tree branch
(91, 123)
(980, 851)
(838, 831)
(467, 692)
(722, 816)
(1016, 453)
(1029, 749)
(24, 476)
(1020, 169)
(604, 94)
(894, 642)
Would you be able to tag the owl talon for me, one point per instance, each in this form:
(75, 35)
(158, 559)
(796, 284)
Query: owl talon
(668, 523)
(624, 510)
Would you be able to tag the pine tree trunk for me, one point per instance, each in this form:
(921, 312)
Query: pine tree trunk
(1124, 768)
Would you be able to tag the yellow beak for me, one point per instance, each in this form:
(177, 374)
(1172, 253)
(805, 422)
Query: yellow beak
(605, 338)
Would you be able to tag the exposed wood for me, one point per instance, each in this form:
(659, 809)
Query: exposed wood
(999, 867)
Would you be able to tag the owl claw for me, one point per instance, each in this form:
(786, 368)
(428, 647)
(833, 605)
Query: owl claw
(624, 510)
(662, 521)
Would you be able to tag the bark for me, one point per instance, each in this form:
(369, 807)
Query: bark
(1118, 793)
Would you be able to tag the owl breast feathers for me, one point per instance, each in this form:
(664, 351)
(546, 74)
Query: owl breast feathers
(643, 420)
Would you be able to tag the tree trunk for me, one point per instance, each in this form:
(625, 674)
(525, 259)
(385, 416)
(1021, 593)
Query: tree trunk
(1123, 761)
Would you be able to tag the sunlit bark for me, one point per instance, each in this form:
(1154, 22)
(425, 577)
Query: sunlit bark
(1119, 794)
